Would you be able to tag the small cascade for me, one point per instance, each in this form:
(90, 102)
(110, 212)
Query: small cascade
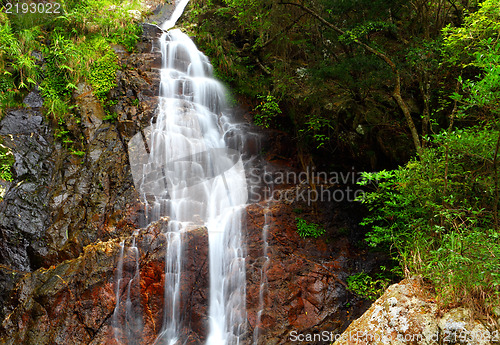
(184, 169)
(263, 274)
(171, 316)
(126, 319)
(179, 9)
(227, 312)
(115, 323)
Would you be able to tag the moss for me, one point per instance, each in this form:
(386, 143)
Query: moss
(103, 74)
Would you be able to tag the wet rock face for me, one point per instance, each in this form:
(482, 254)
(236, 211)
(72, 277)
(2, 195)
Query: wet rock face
(306, 290)
(150, 295)
(90, 109)
(93, 197)
(94, 200)
(24, 212)
(67, 303)
(58, 203)
(75, 301)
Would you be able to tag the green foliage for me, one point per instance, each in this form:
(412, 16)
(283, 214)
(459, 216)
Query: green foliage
(18, 67)
(59, 71)
(484, 91)
(474, 35)
(6, 162)
(363, 30)
(267, 110)
(367, 8)
(103, 74)
(437, 214)
(110, 116)
(306, 229)
(251, 15)
(77, 152)
(363, 73)
(366, 286)
(475, 48)
(112, 19)
(318, 128)
(127, 36)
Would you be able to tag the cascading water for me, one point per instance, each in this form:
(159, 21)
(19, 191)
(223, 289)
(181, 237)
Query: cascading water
(126, 322)
(179, 9)
(191, 176)
(263, 275)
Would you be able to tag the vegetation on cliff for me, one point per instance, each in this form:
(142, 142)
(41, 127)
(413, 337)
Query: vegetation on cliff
(56, 51)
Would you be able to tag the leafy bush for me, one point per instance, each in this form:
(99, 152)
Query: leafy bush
(19, 70)
(306, 229)
(6, 162)
(110, 116)
(103, 74)
(439, 214)
(267, 110)
(365, 286)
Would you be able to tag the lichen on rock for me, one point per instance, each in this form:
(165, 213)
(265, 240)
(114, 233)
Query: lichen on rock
(408, 314)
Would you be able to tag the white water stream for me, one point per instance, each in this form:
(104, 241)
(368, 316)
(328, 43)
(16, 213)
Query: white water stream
(190, 175)
(126, 321)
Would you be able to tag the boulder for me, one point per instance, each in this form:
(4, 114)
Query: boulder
(407, 313)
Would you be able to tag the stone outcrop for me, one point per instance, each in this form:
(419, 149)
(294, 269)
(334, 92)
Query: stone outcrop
(407, 314)
(74, 302)
(25, 211)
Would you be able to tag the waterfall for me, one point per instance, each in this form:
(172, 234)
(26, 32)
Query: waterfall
(179, 9)
(183, 169)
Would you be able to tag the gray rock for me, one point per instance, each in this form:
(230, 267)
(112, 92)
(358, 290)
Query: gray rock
(24, 214)
(21, 122)
(33, 100)
(151, 30)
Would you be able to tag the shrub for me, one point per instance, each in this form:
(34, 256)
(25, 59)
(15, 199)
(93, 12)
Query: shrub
(6, 162)
(365, 286)
(103, 74)
(306, 229)
(267, 110)
(438, 215)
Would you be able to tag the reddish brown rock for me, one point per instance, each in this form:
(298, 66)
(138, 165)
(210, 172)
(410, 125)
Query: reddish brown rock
(74, 302)
(305, 289)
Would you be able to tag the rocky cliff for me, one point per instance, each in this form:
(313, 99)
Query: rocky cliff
(66, 220)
